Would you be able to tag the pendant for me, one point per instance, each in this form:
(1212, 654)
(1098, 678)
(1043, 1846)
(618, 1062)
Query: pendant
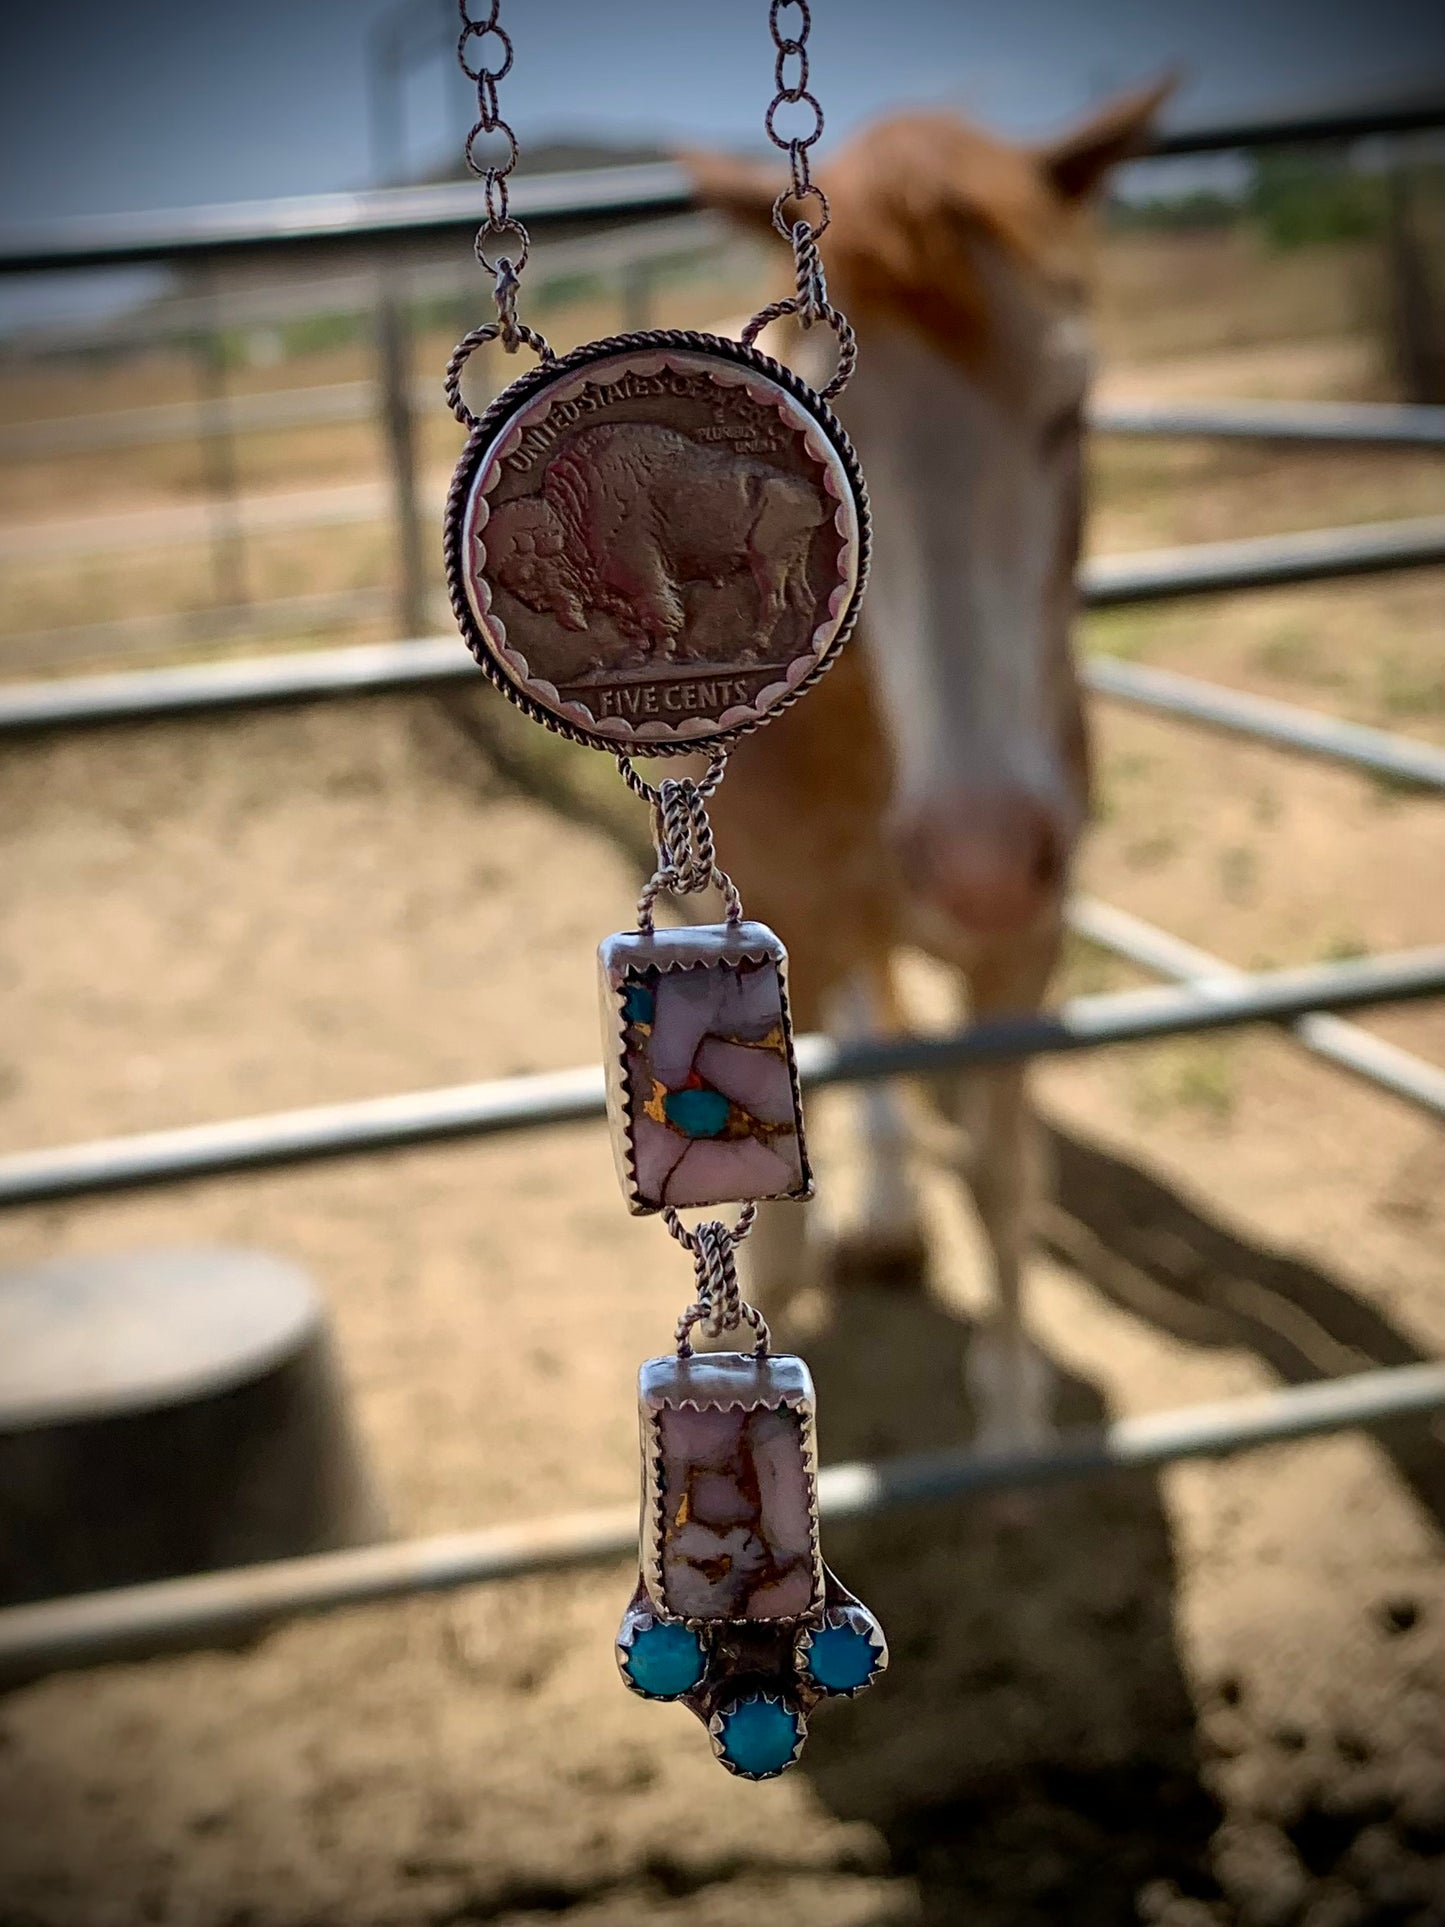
(657, 541)
(653, 545)
(702, 1086)
(735, 1613)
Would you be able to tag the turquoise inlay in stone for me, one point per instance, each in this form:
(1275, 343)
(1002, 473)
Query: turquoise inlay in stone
(639, 1006)
(665, 1660)
(759, 1735)
(840, 1658)
(698, 1113)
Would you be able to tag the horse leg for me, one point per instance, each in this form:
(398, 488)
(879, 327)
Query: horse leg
(886, 1245)
(1008, 1379)
(777, 1257)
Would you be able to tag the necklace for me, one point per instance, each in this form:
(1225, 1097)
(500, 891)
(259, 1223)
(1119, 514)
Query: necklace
(653, 545)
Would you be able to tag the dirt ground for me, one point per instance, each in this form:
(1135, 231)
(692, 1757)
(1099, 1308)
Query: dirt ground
(1211, 1696)
(1204, 1699)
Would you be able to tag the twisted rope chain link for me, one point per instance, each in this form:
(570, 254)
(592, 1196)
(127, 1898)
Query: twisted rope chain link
(719, 1306)
(686, 853)
(810, 303)
(501, 225)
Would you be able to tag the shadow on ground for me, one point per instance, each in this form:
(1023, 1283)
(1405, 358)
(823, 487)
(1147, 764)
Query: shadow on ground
(1163, 1258)
(1031, 1757)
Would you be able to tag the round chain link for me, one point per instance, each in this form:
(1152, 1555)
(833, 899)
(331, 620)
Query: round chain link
(717, 764)
(792, 44)
(493, 331)
(801, 213)
(485, 54)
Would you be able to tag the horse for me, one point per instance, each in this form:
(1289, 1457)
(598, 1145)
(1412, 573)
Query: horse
(931, 791)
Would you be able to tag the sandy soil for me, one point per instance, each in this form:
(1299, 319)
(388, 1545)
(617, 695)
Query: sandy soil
(1207, 1697)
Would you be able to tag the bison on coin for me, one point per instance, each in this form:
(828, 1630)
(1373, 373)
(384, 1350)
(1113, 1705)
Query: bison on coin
(628, 515)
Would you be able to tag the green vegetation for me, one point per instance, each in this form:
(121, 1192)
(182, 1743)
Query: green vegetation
(1298, 197)
(1314, 198)
(1196, 1074)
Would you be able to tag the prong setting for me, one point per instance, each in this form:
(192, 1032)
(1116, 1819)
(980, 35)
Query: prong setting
(659, 1659)
(844, 1655)
(758, 1736)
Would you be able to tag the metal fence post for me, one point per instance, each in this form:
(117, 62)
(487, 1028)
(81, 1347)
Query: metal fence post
(398, 425)
(636, 297)
(220, 467)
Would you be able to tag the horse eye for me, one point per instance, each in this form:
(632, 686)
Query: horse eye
(1061, 427)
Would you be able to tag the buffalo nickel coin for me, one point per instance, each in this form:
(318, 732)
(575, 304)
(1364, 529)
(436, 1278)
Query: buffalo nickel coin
(655, 543)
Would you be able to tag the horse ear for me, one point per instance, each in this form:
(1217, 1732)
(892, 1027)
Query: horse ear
(1077, 162)
(743, 190)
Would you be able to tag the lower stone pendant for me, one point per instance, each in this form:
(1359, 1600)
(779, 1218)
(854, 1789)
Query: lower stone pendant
(702, 1089)
(735, 1613)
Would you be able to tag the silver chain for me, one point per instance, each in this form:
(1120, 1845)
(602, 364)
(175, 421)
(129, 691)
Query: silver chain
(686, 853)
(794, 93)
(500, 221)
(810, 304)
(488, 65)
(719, 1306)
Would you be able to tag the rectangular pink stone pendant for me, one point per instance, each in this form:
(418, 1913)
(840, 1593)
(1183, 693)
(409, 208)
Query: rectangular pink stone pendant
(729, 1515)
(735, 1614)
(702, 1088)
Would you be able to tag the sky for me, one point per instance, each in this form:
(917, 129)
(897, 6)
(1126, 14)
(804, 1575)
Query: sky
(156, 103)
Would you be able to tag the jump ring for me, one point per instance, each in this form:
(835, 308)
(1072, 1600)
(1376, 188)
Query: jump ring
(739, 1230)
(804, 99)
(496, 198)
(811, 192)
(479, 30)
(488, 110)
(463, 352)
(839, 323)
(791, 90)
(509, 226)
(483, 168)
(717, 764)
(804, 23)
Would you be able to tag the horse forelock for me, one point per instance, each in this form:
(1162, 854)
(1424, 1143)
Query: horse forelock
(918, 201)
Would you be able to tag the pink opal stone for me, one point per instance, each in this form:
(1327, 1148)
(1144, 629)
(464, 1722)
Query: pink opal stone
(756, 1079)
(702, 1088)
(706, 1105)
(737, 1528)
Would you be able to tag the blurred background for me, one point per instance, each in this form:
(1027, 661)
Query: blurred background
(236, 256)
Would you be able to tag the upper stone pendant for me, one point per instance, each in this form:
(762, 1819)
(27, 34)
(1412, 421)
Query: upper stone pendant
(702, 1088)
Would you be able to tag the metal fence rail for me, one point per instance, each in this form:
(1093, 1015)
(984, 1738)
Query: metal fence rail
(572, 1096)
(1399, 759)
(280, 410)
(172, 1614)
(1336, 1041)
(1147, 575)
(323, 221)
(389, 668)
(1203, 568)
(1263, 562)
(1358, 424)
